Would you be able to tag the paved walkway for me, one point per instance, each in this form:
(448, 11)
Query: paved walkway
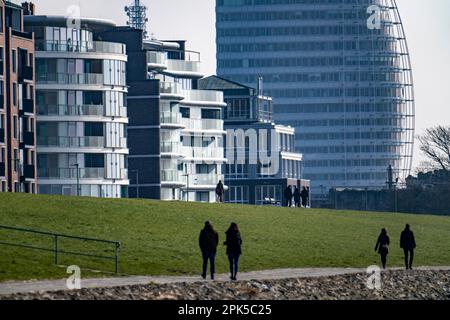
(7, 288)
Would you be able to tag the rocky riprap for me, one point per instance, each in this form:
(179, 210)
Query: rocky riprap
(403, 285)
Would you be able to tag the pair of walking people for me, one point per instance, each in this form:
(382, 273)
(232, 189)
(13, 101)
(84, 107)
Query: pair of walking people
(209, 240)
(407, 243)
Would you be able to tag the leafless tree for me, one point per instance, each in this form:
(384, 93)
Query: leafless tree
(435, 144)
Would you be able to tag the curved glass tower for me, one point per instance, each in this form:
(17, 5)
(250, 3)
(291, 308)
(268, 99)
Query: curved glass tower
(339, 72)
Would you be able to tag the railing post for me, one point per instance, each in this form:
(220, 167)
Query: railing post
(55, 239)
(117, 252)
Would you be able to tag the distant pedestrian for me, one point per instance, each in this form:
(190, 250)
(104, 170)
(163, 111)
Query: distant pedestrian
(234, 251)
(408, 244)
(288, 196)
(305, 197)
(220, 191)
(382, 246)
(297, 197)
(208, 241)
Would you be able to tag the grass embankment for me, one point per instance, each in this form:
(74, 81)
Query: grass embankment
(161, 238)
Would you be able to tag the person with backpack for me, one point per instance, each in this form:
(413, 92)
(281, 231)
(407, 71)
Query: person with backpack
(234, 249)
(208, 241)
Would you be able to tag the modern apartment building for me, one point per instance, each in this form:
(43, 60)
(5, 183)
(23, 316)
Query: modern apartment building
(176, 131)
(251, 138)
(81, 95)
(338, 71)
(17, 109)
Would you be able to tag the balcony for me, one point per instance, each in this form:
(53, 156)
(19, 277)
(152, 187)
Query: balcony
(171, 88)
(72, 142)
(203, 153)
(2, 169)
(81, 46)
(203, 124)
(26, 73)
(29, 172)
(71, 173)
(27, 106)
(170, 118)
(28, 138)
(2, 135)
(184, 67)
(171, 147)
(156, 60)
(64, 78)
(71, 110)
(170, 176)
(205, 96)
(205, 179)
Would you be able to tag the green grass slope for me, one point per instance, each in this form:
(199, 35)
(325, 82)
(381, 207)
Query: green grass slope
(161, 238)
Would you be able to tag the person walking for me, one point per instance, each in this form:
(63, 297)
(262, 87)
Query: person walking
(234, 250)
(408, 244)
(382, 246)
(220, 191)
(208, 241)
(288, 196)
(297, 197)
(305, 196)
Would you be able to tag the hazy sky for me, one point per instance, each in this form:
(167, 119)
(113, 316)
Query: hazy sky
(427, 24)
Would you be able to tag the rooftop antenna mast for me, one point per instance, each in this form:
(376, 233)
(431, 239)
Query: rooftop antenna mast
(137, 17)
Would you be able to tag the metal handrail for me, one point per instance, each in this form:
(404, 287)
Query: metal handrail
(56, 250)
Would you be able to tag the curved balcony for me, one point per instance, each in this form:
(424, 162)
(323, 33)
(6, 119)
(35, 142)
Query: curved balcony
(204, 97)
(184, 68)
(71, 173)
(203, 125)
(171, 120)
(71, 142)
(171, 178)
(78, 110)
(156, 60)
(171, 90)
(65, 78)
(201, 154)
(81, 46)
(170, 148)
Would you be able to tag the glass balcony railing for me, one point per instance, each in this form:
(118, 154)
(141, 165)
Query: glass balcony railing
(71, 173)
(201, 153)
(204, 95)
(202, 124)
(72, 142)
(81, 46)
(65, 78)
(170, 147)
(170, 118)
(156, 58)
(71, 110)
(170, 176)
(183, 66)
(205, 179)
(170, 88)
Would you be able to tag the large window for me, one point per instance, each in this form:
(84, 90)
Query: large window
(211, 114)
(93, 129)
(237, 194)
(266, 195)
(94, 160)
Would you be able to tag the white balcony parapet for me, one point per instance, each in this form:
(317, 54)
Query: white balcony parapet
(66, 78)
(203, 153)
(72, 142)
(203, 124)
(204, 97)
(205, 179)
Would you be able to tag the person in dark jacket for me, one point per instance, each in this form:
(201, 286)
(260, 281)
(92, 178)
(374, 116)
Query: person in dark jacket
(305, 196)
(220, 191)
(234, 250)
(288, 196)
(382, 246)
(297, 197)
(408, 244)
(208, 241)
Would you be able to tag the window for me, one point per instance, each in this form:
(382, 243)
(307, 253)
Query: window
(14, 95)
(202, 196)
(94, 161)
(15, 127)
(185, 112)
(14, 61)
(93, 129)
(237, 194)
(211, 114)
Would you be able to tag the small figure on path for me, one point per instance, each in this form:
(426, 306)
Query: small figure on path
(305, 197)
(288, 196)
(220, 191)
(297, 197)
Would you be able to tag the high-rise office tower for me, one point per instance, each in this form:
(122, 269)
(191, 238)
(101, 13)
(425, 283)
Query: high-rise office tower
(17, 111)
(339, 72)
(81, 101)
